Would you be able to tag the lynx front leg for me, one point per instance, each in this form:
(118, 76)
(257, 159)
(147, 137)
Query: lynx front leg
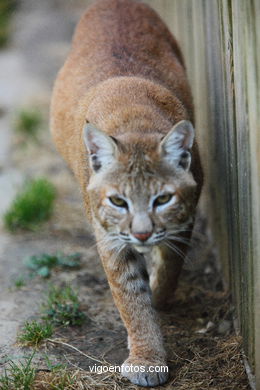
(167, 265)
(129, 283)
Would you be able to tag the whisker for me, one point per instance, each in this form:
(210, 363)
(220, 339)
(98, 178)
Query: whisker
(112, 244)
(182, 240)
(92, 246)
(177, 250)
(174, 248)
(116, 253)
(99, 241)
(195, 234)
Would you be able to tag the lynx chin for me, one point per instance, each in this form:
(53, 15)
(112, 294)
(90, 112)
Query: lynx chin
(122, 118)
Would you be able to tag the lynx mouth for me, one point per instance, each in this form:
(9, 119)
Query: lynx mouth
(143, 248)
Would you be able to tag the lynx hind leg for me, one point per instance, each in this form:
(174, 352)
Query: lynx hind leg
(166, 268)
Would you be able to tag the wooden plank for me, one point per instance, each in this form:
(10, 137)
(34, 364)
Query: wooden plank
(243, 282)
(252, 82)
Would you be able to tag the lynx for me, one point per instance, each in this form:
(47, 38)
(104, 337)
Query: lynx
(122, 118)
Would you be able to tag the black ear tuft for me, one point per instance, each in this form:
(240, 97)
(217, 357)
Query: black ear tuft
(96, 164)
(185, 160)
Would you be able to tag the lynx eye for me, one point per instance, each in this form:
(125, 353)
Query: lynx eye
(117, 201)
(162, 199)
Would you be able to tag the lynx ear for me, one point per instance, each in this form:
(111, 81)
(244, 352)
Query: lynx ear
(102, 148)
(177, 143)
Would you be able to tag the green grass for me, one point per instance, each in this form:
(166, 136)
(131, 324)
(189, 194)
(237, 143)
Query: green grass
(63, 307)
(18, 376)
(33, 333)
(22, 376)
(6, 10)
(28, 122)
(19, 282)
(42, 265)
(31, 206)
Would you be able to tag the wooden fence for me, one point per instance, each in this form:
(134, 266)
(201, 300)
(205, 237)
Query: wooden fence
(221, 43)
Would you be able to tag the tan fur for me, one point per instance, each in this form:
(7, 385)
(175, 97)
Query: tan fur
(125, 75)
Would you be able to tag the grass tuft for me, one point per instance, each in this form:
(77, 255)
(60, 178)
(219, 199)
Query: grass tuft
(31, 206)
(42, 265)
(63, 307)
(33, 333)
(19, 375)
(28, 122)
(19, 282)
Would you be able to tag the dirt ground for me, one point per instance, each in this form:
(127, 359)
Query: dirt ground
(204, 352)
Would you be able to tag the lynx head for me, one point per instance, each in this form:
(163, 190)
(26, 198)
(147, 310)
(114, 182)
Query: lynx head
(142, 190)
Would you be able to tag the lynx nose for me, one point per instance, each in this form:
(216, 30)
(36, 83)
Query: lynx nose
(142, 236)
(142, 226)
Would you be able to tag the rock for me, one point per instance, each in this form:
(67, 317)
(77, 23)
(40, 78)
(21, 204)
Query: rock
(209, 326)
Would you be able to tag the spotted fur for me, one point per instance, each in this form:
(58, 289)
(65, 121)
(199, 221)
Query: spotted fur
(122, 117)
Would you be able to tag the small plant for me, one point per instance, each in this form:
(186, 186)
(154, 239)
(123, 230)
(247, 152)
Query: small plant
(19, 282)
(33, 333)
(28, 122)
(31, 206)
(6, 9)
(42, 265)
(19, 375)
(63, 307)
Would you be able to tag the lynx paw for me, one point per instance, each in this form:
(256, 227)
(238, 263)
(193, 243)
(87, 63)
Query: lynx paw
(145, 373)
